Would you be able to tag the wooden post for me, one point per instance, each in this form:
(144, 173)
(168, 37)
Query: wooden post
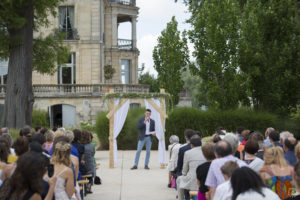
(163, 119)
(111, 133)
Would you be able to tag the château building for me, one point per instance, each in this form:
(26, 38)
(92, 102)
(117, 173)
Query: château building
(75, 93)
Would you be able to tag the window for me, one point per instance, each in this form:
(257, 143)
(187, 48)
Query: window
(66, 21)
(3, 71)
(66, 72)
(125, 71)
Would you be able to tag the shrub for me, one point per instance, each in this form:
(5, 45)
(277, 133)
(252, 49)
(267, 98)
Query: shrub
(40, 118)
(206, 121)
(128, 137)
(102, 130)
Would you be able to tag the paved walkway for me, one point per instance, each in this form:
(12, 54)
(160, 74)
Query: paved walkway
(121, 183)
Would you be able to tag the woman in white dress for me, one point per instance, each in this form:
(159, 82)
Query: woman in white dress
(173, 150)
(64, 188)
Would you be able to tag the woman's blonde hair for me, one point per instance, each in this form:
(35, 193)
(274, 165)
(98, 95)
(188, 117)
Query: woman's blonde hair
(274, 155)
(58, 133)
(49, 136)
(297, 151)
(61, 153)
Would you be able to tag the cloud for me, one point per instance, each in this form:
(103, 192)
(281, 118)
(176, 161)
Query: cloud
(146, 45)
(152, 19)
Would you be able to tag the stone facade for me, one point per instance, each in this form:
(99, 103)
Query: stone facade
(93, 41)
(96, 23)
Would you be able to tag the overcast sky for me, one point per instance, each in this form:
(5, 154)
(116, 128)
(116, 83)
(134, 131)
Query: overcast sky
(153, 18)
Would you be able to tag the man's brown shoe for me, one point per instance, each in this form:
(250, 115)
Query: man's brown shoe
(146, 167)
(134, 167)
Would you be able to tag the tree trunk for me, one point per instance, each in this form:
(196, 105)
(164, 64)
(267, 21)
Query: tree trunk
(19, 95)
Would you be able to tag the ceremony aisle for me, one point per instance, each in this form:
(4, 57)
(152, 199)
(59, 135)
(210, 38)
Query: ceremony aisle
(121, 183)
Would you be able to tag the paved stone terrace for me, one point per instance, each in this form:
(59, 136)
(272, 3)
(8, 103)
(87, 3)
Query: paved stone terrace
(121, 183)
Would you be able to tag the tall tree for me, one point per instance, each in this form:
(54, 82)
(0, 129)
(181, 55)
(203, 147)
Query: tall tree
(18, 20)
(270, 54)
(149, 79)
(215, 35)
(171, 57)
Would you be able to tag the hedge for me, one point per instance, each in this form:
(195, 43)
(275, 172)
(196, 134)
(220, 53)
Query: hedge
(40, 118)
(206, 121)
(180, 119)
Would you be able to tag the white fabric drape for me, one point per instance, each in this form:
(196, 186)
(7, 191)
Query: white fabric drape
(159, 130)
(119, 120)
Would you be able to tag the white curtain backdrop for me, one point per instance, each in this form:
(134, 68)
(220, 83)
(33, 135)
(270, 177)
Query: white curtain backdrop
(119, 120)
(155, 115)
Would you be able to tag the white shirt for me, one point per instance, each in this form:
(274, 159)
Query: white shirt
(147, 128)
(223, 191)
(252, 195)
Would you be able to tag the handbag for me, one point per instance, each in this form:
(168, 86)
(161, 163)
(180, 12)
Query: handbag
(97, 180)
(173, 182)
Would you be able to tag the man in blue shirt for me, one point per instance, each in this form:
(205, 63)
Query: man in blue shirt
(288, 147)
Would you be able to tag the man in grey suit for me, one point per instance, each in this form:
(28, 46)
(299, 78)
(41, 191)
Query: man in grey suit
(146, 127)
(192, 159)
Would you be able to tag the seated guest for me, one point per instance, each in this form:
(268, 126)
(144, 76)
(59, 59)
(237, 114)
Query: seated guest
(233, 140)
(238, 132)
(188, 133)
(202, 170)
(289, 147)
(259, 138)
(27, 180)
(274, 139)
(80, 148)
(284, 135)
(276, 172)
(251, 148)
(224, 191)
(11, 158)
(192, 159)
(245, 135)
(296, 179)
(267, 133)
(297, 151)
(173, 150)
(247, 185)
(8, 137)
(49, 140)
(215, 138)
(223, 151)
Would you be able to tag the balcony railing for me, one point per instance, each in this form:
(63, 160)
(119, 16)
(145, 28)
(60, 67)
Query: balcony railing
(123, 2)
(124, 44)
(70, 33)
(81, 90)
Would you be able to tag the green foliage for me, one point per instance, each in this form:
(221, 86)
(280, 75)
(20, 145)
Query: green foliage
(215, 35)
(247, 52)
(87, 126)
(128, 138)
(12, 18)
(48, 52)
(193, 84)
(102, 130)
(171, 56)
(270, 54)
(207, 121)
(40, 118)
(149, 79)
(14, 133)
(137, 95)
(109, 72)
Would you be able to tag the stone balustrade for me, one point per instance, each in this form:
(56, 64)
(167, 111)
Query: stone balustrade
(123, 2)
(81, 90)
